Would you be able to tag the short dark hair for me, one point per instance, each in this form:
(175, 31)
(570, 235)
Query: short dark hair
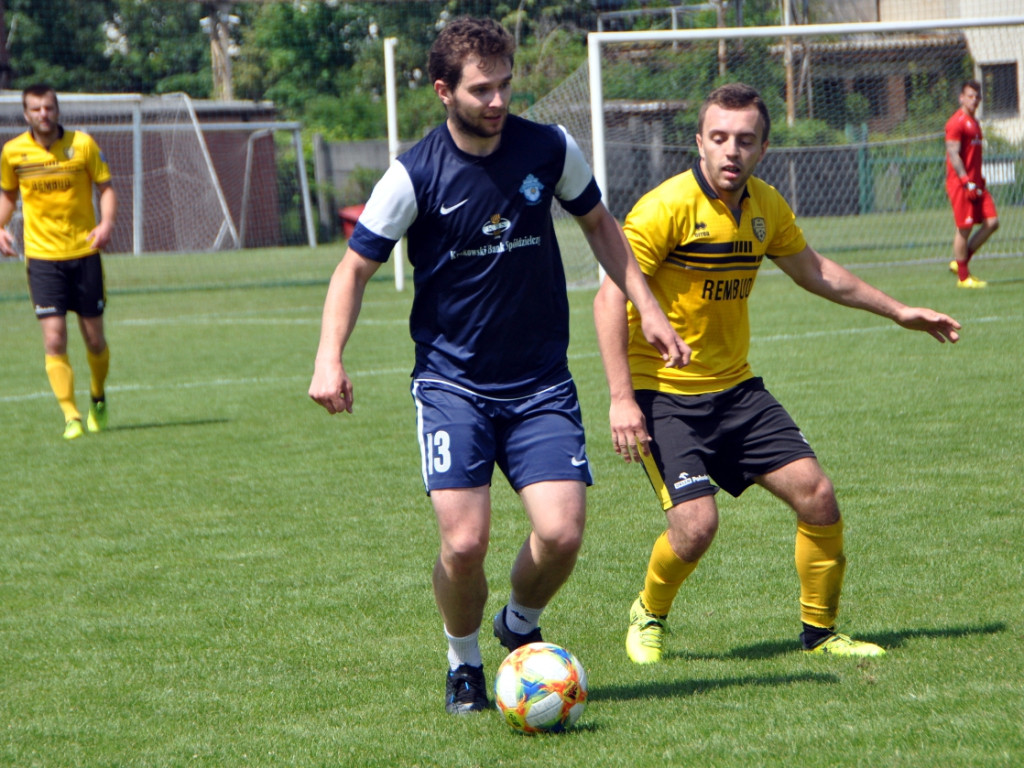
(38, 90)
(464, 37)
(970, 84)
(736, 96)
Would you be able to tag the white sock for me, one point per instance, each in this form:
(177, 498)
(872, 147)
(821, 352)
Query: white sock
(464, 650)
(521, 619)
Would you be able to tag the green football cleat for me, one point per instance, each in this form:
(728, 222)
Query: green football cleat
(97, 419)
(842, 645)
(73, 429)
(645, 638)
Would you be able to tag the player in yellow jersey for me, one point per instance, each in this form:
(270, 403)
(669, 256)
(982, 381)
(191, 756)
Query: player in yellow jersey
(54, 170)
(700, 238)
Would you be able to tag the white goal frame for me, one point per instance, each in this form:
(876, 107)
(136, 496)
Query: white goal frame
(597, 39)
(135, 101)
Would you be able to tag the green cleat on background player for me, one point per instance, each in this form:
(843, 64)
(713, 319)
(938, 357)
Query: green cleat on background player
(843, 645)
(645, 638)
(97, 419)
(73, 429)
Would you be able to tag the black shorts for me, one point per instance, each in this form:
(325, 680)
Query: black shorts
(73, 285)
(729, 438)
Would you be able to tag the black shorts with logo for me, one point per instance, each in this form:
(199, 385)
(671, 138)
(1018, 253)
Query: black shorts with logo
(729, 438)
(72, 285)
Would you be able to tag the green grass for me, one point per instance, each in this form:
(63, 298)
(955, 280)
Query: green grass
(230, 577)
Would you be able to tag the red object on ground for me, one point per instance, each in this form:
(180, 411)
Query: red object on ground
(349, 215)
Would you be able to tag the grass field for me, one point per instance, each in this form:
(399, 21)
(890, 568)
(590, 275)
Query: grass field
(230, 577)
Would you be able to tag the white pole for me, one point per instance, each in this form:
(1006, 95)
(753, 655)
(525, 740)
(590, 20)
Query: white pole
(137, 176)
(393, 144)
(597, 121)
(307, 207)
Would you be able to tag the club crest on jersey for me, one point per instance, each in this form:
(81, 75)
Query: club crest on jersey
(531, 189)
(760, 229)
(496, 225)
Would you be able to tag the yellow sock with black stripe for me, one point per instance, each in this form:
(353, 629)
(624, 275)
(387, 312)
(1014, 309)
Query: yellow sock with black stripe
(62, 382)
(99, 365)
(820, 564)
(666, 573)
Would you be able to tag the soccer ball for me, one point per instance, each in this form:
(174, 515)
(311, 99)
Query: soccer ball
(541, 688)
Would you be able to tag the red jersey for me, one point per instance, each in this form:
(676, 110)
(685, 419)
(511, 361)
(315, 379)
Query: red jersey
(963, 128)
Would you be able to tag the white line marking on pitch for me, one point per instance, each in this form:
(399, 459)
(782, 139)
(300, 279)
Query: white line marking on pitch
(405, 371)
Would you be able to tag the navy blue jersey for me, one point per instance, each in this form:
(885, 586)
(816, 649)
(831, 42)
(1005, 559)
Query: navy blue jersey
(490, 311)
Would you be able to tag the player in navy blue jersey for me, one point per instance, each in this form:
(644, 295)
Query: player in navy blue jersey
(490, 321)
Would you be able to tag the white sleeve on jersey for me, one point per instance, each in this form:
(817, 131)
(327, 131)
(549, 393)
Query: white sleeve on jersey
(391, 209)
(576, 174)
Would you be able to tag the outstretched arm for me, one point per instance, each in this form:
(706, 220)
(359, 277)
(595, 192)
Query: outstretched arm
(615, 256)
(331, 386)
(823, 277)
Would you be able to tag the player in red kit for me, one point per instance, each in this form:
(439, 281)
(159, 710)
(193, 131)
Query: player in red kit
(971, 201)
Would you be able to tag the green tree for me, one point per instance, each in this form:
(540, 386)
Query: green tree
(158, 47)
(58, 42)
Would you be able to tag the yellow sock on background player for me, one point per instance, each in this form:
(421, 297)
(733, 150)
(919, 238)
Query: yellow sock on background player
(62, 382)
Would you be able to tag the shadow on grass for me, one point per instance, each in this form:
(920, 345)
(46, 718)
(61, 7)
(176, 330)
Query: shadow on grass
(162, 424)
(894, 639)
(691, 687)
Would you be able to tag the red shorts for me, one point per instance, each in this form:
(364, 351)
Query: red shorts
(967, 212)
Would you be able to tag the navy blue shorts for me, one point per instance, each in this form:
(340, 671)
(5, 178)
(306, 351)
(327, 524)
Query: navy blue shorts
(532, 439)
(72, 285)
(729, 438)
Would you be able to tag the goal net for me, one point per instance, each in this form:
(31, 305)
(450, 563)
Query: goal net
(184, 185)
(858, 114)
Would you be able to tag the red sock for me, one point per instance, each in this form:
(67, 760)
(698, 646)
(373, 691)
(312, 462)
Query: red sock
(962, 272)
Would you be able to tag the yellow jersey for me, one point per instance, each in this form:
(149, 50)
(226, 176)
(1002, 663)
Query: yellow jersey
(701, 262)
(56, 191)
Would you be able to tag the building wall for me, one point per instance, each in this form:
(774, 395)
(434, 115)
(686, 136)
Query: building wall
(914, 10)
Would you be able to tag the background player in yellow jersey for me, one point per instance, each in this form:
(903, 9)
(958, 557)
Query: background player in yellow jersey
(54, 170)
(700, 238)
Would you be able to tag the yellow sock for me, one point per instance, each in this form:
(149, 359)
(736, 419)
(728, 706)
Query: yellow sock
(820, 564)
(98, 367)
(665, 575)
(62, 381)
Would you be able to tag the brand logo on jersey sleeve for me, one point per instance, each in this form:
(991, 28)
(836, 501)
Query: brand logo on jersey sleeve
(531, 189)
(69, 152)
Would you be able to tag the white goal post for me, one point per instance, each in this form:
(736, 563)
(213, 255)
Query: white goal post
(857, 131)
(595, 41)
(167, 180)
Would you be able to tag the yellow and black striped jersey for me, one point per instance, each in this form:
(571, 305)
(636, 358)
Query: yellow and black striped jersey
(56, 191)
(701, 262)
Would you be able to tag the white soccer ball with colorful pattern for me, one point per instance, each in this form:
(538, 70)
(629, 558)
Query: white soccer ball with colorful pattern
(541, 688)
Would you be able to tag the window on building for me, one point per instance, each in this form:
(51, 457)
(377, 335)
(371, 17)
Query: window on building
(999, 90)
